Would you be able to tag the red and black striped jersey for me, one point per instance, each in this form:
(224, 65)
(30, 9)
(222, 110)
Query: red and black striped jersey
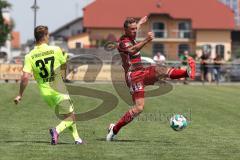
(130, 61)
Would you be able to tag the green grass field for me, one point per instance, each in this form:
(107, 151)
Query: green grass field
(214, 131)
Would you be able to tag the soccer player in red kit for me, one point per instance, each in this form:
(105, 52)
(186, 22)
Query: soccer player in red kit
(137, 76)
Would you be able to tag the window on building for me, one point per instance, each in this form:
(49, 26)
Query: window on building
(158, 47)
(182, 48)
(220, 49)
(184, 30)
(207, 50)
(159, 30)
(78, 45)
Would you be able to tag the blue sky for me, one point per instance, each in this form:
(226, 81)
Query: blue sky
(53, 13)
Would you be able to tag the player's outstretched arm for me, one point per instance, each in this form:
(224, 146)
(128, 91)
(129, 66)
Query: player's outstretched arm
(23, 84)
(141, 44)
(141, 21)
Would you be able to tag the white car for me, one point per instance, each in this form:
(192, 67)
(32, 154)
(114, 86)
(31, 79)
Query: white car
(147, 60)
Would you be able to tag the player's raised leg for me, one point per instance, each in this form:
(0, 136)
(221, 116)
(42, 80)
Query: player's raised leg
(175, 73)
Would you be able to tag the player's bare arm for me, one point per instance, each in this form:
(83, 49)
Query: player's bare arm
(63, 67)
(141, 44)
(142, 21)
(23, 84)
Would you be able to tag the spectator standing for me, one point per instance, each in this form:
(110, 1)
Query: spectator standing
(159, 58)
(217, 61)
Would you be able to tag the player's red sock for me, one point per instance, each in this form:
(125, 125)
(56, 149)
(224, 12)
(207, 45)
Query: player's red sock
(174, 73)
(122, 122)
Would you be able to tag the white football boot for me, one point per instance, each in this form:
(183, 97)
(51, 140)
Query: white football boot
(110, 135)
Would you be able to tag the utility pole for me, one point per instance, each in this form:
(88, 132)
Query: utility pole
(35, 8)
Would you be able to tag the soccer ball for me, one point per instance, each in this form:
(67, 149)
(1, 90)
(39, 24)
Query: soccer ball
(178, 122)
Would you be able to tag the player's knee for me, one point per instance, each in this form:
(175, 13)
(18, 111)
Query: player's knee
(140, 107)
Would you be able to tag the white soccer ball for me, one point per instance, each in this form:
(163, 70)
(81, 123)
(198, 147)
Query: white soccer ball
(178, 122)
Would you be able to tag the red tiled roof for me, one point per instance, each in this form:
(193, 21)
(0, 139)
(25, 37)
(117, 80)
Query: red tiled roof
(205, 14)
(15, 42)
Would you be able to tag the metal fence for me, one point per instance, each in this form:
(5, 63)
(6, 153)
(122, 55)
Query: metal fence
(229, 72)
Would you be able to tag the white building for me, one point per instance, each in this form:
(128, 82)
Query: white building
(6, 50)
(62, 35)
(12, 45)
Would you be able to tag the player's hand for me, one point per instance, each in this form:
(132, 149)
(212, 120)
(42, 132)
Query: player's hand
(142, 20)
(17, 99)
(150, 36)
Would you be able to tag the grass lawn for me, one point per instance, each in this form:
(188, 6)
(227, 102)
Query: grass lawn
(213, 132)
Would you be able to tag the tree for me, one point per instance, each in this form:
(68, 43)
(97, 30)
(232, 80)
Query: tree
(5, 28)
